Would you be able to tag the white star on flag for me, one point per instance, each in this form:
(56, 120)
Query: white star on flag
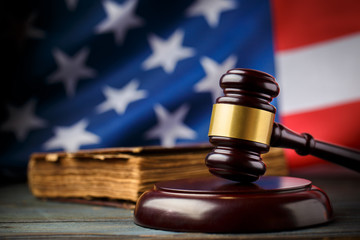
(213, 71)
(120, 18)
(119, 99)
(170, 126)
(31, 30)
(166, 53)
(71, 138)
(71, 4)
(22, 120)
(71, 69)
(210, 9)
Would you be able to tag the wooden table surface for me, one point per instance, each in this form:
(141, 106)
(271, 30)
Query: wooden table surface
(24, 216)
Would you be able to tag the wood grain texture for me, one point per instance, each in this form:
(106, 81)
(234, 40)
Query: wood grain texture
(24, 216)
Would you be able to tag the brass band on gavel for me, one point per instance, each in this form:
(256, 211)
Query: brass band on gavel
(234, 121)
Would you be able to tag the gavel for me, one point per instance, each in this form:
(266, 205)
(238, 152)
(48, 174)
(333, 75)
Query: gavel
(242, 128)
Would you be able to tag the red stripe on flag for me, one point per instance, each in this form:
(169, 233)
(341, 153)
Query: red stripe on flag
(302, 22)
(331, 125)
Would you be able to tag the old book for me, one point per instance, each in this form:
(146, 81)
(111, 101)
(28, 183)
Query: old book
(121, 173)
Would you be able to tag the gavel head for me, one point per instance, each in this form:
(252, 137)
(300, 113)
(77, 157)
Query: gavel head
(241, 125)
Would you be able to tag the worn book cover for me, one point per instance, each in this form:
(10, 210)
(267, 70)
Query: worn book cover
(119, 175)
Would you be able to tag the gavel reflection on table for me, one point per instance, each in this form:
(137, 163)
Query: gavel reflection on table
(237, 200)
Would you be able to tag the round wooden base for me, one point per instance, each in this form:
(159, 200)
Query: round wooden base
(218, 205)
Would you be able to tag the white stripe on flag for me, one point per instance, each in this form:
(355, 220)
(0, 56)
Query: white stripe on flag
(319, 75)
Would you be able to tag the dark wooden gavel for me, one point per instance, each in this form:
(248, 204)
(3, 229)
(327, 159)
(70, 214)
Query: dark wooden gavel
(242, 128)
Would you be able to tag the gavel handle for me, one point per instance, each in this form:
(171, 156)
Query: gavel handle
(305, 144)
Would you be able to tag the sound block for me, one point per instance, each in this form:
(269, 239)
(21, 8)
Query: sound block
(214, 204)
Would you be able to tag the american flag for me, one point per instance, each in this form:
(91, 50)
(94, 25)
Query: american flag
(110, 73)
